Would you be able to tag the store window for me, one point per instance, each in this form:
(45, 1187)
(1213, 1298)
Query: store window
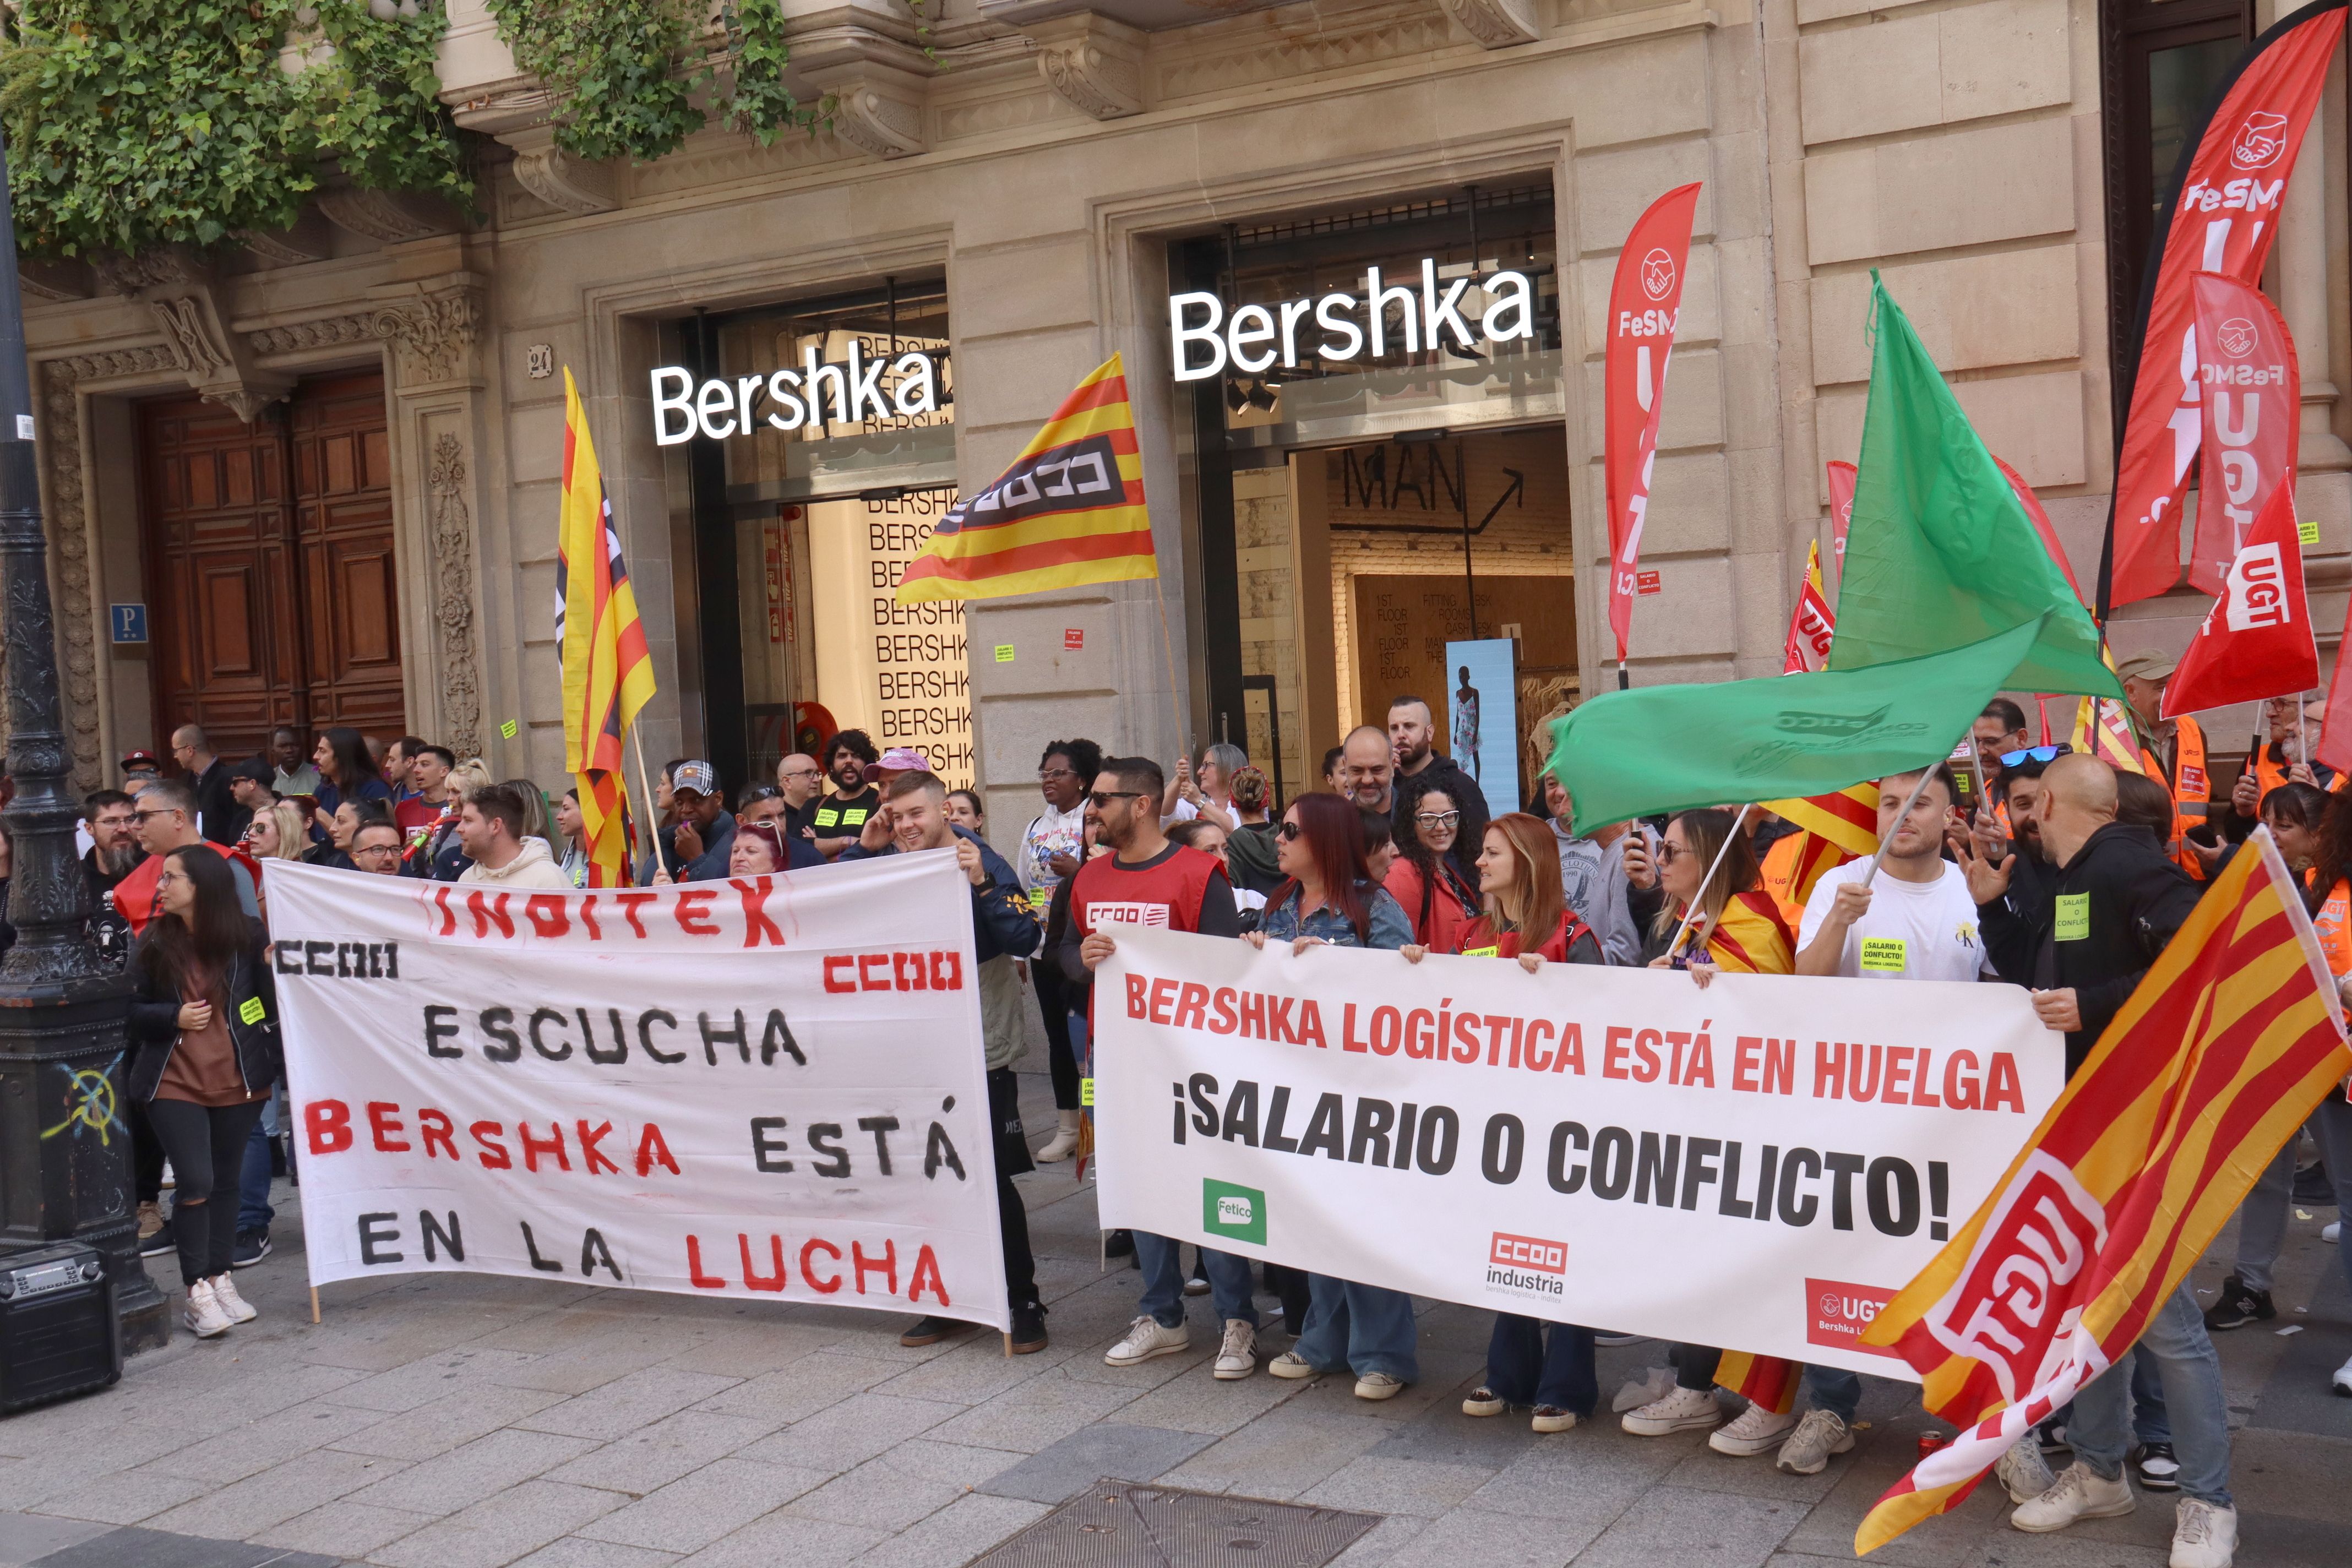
(2163, 61)
(819, 442)
(1381, 469)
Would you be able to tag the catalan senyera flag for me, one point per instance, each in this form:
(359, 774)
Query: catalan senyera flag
(1837, 827)
(1068, 512)
(607, 676)
(1765, 1380)
(1751, 938)
(2229, 1040)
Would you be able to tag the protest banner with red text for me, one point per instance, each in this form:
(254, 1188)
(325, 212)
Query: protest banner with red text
(1644, 299)
(2222, 214)
(767, 1088)
(1758, 1164)
(2251, 394)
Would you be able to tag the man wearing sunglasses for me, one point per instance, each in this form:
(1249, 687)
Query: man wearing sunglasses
(164, 811)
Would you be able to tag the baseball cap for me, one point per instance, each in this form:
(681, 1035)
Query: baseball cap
(2154, 667)
(700, 777)
(131, 760)
(257, 770)
(898, 760)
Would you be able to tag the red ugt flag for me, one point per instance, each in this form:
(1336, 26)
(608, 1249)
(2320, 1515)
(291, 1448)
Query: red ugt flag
(1841, 480)
(2251, 395)
(2256, 641)
(1644, 301)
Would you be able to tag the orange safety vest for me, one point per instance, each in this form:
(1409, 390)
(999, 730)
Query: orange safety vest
(2192, 792)
(2269, 775)
(2333, 923)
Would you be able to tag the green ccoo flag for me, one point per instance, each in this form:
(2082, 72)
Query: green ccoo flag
(1670, 748)
(1940, 554)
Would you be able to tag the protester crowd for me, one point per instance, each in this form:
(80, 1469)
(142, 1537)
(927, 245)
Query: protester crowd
(1400, 852)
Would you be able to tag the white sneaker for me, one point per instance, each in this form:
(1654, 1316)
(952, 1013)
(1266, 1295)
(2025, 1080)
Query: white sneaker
(1683, 1410)
(1821, 1434)
(1552, 1418)
(237, 1309)
(1379, 1385)
(2204, 1536)
(1145, 1338)
(1064, 1142)
(2342, 1381)
(2023, 1471)
(1752, 1431)
(2075, 1496)
(1237, 1351)
(2331, 1230)
(203, 1312)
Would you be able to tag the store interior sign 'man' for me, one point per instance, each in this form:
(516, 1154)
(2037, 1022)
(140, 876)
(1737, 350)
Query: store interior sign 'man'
(1256, 336)
(726, 405)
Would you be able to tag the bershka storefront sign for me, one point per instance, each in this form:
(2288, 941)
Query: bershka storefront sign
(1759, 1165)
(1341, 327)
(728, 405)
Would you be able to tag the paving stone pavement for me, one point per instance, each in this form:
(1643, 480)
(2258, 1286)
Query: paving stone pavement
(457, 1421)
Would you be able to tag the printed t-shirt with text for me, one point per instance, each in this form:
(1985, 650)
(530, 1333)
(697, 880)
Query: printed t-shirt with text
(1911, 931)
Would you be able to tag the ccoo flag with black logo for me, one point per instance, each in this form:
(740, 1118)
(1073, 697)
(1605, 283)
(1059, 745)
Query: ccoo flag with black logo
(1068, 512)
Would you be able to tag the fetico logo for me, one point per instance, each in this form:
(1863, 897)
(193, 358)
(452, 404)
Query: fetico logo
(2236, 337)
(1234, 1213)
(2260, 141)
(1658, 274)
(1837, 1312)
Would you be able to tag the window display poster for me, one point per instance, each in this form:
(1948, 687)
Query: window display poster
(1481, 718)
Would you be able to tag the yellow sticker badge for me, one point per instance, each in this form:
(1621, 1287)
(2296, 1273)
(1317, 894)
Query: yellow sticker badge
(2073, 917)
(252, 1012)
(1882, 955)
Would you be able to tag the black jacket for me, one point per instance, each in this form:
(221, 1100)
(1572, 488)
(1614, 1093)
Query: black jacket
(219, 818)
(2015, 926)
(1249, 857)
(1445, 774)
(2135, 898)
(154, 1021)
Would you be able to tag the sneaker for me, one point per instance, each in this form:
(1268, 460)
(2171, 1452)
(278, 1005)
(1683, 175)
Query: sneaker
(1819, 1435)
(1552, 1418)
(1236, 1353)
(232, 1304)
(1290, 1363)
(931, 1330)
(2156, 1469)
(2074, 1497)
(2331, 1230)
(203, 1312)
(1198, 1285)
(1484, 1400)
(151, 1219)
(1146, 1338)
(1683, 1410)
(2342, 1382)
(251, 1249)
(1028, 1328)
(160, 1242)
(2023, 1471)
(2239, 1305)
(1753, 1431)
(1379, 1385)
(2204, 1536)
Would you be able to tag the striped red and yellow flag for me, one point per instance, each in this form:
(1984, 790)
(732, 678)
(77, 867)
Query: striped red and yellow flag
(1837, 828)
(607, 675)
(1765, 1380)
(1068, 512)
(2104, 729)
(2232, 1037)
(1751, 938)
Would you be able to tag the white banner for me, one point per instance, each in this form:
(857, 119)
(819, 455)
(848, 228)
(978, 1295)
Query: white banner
(1759, 1166)
(770, 1088)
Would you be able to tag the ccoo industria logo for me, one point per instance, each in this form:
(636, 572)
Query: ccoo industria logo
(1234, 1213)
(1527, 1267)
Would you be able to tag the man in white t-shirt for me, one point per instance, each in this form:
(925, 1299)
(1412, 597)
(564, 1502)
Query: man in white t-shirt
(1916, 920)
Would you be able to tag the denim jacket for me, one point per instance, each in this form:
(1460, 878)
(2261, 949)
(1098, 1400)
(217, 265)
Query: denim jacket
(1388, 927)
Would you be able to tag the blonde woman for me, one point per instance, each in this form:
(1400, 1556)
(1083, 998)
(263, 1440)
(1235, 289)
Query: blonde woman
(439, 855)
(278, 832)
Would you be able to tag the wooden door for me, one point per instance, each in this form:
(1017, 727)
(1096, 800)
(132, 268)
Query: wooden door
(269, 565)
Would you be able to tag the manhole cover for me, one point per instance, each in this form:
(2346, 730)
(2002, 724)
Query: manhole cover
(1119, 1524)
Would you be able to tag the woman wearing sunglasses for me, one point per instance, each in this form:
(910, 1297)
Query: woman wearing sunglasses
(1424, 880)
(1328, 898)
(1733, 922)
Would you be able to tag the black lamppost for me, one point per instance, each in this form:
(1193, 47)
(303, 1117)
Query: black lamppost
(65, 1144)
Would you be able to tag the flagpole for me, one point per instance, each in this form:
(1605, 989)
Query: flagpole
(1168, 642)
(1676, 946)
(652, 824)
(1624, 681)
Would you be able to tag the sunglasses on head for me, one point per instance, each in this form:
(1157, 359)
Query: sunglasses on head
(2038, 754)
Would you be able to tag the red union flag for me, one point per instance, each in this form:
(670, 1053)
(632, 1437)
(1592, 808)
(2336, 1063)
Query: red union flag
(2229, 1040)
(2256, 641)
(1644, 301)
(2221, 219)
(2252, 396)
(1812, 625)
(1841, 479)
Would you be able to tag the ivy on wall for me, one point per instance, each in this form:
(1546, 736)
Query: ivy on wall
(133, 125)
(614, 68)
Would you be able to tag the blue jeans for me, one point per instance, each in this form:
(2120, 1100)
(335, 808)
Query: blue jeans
(1163, 1263)
(1834, 1389)
(1360, 1327)
(1526, 1366)
(2182, 1354)
(253, 1210)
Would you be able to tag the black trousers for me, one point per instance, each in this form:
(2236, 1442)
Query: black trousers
(1011, 1159)
(1061, 1059)
(207, 1143)
(146, 1156)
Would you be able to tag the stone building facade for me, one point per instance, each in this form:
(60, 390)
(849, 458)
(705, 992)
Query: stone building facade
(1016, 195)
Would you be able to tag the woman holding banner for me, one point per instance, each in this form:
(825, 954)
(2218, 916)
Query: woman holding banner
(1328, 899)
(1526, 916)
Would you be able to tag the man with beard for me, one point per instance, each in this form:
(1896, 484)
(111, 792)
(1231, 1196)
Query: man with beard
(1368, 769)
(842, 815)
(2015, 915)
(1998, 730)
(114, 851)
(1411, 730)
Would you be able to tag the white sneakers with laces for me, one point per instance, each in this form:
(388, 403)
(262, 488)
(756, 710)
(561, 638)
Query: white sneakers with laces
(1819, 1435)
(2022, 1471)
(203, 1312)
(2204, 1536)
(1146, 1338)
(2077, 1494)
(1751, 1431)
(1682, 1410)
(233, 1305)
(1379, 1385)
(1236, 1353)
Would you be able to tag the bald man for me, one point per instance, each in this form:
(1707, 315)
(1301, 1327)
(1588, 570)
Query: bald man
(1368, 768)
(802, 783)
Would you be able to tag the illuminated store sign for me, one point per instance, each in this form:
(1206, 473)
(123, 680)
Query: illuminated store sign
(1384, 320)
(727, 406)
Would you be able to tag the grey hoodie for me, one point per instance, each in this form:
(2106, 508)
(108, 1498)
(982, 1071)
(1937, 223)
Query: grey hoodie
(1594, 880)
